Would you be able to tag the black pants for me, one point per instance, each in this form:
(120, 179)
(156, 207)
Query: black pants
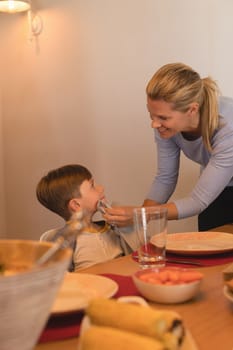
(218, 213)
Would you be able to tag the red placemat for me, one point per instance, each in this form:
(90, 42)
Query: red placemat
(67, 325)
(125, 284)
(61, 327)
(207, 260)
(204, 261)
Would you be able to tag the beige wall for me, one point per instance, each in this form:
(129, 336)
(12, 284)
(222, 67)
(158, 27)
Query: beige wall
(77, 94)
(2, 187)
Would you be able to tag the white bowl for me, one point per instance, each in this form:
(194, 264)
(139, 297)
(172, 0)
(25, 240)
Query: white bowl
(166, 293)
(26, 297)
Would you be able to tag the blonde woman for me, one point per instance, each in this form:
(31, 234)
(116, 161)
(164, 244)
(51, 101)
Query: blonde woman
(188, 115)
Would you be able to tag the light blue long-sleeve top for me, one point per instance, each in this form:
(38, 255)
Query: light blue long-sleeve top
(216, 167)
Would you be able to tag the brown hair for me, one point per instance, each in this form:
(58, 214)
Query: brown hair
(59, 186)
(180, 85)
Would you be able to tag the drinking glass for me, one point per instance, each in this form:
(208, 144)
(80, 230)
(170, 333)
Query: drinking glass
(150, 224)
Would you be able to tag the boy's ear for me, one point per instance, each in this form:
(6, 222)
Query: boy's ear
(74, 205)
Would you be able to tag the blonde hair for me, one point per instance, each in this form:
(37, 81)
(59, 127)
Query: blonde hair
(180, 85)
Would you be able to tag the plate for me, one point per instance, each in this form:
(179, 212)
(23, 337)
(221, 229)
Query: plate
(199, 243)
(188, 343)
(228, 294)
(78, 289)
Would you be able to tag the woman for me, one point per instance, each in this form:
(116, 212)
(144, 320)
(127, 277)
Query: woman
(188, 115)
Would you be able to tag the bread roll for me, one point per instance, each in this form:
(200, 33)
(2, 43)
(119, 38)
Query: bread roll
(106, 338)
(162, 325)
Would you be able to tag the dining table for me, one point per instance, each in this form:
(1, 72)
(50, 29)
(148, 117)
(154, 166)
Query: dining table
(208, 317)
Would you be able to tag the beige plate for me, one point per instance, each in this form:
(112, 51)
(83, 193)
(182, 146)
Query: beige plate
(228, 294)
(78, 289)
(198, 243)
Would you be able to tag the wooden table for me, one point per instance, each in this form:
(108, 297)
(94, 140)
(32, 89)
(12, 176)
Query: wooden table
(208, 317)
(225, 228)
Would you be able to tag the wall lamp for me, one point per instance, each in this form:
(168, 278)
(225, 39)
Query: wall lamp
(13, 6)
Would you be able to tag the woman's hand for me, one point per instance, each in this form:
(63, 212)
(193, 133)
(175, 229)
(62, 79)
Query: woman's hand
(123, 216)
(119, 216)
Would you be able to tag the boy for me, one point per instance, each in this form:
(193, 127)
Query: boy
(71, 189)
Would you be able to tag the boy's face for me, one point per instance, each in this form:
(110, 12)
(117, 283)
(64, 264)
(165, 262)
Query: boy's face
(91, 193)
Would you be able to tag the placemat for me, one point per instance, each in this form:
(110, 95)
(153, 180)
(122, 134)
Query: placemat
(207, 260)
(204, 261)
(61, 327)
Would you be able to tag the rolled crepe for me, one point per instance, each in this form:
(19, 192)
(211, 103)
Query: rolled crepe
(162, 325)
(106, 338)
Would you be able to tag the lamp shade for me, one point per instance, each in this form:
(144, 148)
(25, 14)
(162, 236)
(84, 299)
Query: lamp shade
(12, 6)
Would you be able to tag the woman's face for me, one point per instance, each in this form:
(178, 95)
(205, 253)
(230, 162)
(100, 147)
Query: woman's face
(169, 121)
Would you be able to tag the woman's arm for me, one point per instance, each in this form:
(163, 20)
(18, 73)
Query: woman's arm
(172, 213)
(164, 183)
(216, 175)
(168, 163)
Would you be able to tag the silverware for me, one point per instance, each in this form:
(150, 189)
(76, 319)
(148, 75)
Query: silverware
(177, 261)
(186, 262)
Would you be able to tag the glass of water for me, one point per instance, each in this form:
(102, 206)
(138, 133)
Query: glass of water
(150, 224)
